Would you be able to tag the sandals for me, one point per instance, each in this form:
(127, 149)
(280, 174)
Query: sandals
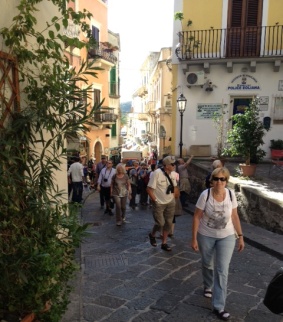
(207, 293)
(166, 247)
(152, 240)
(222, 315)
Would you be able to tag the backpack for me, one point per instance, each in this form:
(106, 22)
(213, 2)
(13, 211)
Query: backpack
(208, 193)
(273, 299)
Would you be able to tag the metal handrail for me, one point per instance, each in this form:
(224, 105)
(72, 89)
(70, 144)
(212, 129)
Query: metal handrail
(265, 41)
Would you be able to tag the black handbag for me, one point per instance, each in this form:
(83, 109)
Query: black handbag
(273, 299)
(112, 204)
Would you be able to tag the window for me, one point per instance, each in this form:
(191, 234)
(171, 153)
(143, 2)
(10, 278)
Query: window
(278, 110)
(244, 28)
(95, 34)
(96, 96)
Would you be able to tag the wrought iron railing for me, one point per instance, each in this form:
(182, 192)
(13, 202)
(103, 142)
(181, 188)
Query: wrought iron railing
(266, 41)
(102, 52)
(105, 115)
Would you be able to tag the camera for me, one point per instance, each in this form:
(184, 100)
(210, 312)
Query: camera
(170, 189)
(105, 180)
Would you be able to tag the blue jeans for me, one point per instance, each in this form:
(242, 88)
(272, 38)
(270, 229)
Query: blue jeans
(216, 255)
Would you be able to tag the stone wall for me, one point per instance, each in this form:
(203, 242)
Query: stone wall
(253, 206)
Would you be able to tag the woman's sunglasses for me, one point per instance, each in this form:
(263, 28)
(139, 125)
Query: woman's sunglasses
(219, 179)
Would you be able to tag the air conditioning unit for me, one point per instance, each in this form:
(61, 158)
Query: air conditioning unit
(195, 78)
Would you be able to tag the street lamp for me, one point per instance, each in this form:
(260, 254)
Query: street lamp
(181, 104)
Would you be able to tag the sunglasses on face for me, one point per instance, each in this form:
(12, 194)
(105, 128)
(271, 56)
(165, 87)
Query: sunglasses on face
(219, 179)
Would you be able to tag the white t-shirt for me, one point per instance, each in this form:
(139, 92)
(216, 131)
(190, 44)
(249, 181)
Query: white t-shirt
(216, 221)
(160, 184)
(76, 170)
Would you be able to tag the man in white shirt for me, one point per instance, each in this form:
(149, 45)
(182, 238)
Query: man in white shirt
(104, 183)
(76, 178)
(162, 190)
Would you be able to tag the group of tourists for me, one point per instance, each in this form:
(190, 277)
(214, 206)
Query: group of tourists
(216, 225)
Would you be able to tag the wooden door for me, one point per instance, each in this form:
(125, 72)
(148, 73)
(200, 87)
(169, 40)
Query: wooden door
(244, 28)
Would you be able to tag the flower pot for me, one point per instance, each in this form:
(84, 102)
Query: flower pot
(29, 318)
(248, 170)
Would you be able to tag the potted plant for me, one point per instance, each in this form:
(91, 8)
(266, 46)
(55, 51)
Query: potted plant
(276, 145)
(246, 137)
(185, 46)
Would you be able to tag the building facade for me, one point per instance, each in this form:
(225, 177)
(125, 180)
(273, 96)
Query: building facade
(104, 134)
(150, 123)
(226, 52)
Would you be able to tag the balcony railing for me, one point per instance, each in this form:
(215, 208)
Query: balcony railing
(105, 115)
(246, 42)
(103, 53)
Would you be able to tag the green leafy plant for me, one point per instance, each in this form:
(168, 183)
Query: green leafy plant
(187, 40)
(276, 144)
(39, 230)
(246, 135)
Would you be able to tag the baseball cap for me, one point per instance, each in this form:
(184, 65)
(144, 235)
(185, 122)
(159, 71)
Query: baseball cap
(169, 160)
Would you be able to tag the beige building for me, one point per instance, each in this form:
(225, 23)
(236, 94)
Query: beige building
(150, 123)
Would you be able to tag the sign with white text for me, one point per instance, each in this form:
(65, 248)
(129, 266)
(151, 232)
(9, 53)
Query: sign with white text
(207, 111)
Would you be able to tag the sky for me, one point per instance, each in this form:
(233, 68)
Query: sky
(144, 26)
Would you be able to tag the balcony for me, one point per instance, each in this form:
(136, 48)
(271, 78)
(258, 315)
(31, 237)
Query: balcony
(235, 43)
(150, 107)
(142, 91)
(105, 115)
(102, 52)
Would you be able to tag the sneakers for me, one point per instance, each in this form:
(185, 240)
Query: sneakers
(166, 247)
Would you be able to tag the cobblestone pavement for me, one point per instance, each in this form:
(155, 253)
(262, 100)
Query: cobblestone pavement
(124, 278)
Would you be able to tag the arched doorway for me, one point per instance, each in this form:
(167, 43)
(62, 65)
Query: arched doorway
(97, 151)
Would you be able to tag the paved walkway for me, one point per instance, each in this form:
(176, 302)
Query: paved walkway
(124, 278)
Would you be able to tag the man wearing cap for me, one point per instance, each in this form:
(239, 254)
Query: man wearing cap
(100, 165)
(162, 190)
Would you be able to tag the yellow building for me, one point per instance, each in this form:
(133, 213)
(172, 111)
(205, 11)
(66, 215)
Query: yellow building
(226, 52)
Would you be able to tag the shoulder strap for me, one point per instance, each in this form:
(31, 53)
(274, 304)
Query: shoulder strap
(208, 193)
(166, 175)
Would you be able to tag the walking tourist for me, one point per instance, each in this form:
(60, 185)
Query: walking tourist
(215, 224)
(104, 183)
(120, 191)
(162, 190)
(76, 178)
(100, 165)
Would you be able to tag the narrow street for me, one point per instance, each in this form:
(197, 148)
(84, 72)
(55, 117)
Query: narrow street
(124, 278)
